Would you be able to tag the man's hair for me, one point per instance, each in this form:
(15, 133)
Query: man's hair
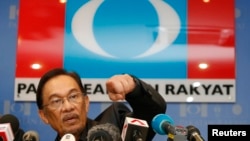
(51, 74)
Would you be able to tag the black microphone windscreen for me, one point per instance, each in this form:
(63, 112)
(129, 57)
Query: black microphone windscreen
(14, 122)
(104, 132)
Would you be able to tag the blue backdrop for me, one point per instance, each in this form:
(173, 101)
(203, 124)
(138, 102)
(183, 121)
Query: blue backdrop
(199, 114)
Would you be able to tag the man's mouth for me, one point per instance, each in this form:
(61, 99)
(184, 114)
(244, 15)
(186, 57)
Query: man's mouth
(70, 119)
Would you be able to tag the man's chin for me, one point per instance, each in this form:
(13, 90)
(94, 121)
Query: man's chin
(73, 129)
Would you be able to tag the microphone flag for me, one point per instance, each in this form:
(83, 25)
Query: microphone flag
(6, 132)
(133, 127)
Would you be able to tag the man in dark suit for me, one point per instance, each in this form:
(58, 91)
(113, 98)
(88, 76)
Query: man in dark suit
(64, 104)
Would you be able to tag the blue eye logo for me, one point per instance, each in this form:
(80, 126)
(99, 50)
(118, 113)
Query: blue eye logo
(88, 33)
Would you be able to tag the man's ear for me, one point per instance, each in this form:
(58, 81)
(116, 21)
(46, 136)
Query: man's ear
(86, 101)
(43, 116)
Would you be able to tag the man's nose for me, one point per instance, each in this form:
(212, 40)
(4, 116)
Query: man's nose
(66, 104)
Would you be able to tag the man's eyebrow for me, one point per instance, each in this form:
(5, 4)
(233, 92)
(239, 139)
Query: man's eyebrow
(74, 90)
(54, 95)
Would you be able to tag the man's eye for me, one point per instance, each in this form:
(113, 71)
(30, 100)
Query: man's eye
(74, 96)
(56, 101)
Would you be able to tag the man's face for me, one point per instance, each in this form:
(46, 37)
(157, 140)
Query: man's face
(65, 107)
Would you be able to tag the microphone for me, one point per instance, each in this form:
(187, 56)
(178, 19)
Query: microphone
(9, 126)
(194, 134)
(68, 137)
(134, 129)
(163, 124)
(104, 132)
(30, 136)
(180, 134)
